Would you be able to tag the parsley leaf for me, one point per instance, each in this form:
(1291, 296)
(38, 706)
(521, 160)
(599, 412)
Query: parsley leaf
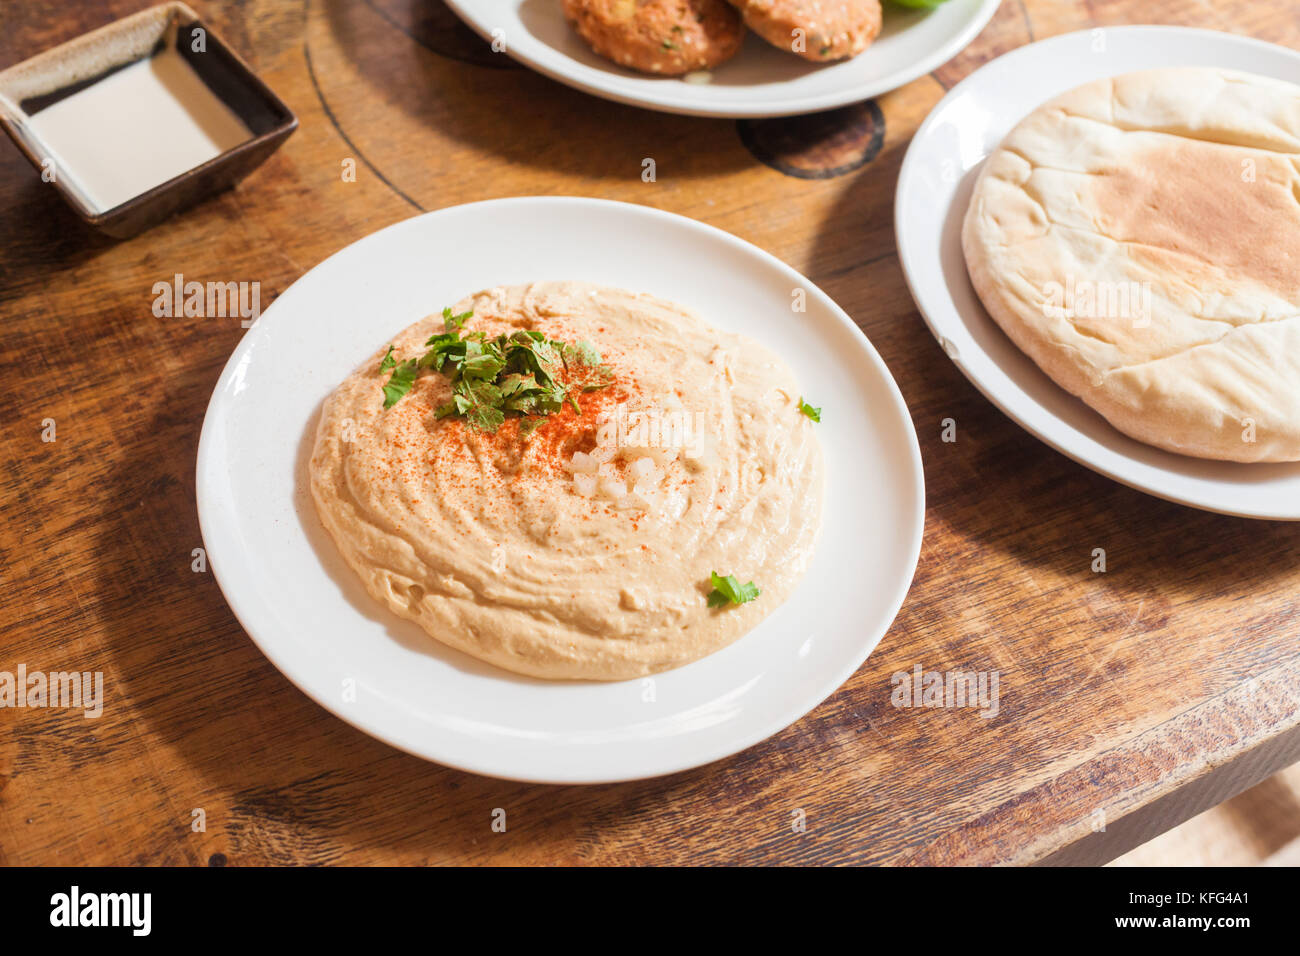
(450, 322)
(400, 382)
(584, 352)
(728, 590)
(480, 402)
(482, 365)
(814, 413)
(387, 361)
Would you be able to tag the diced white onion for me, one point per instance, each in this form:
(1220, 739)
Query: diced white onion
(582, 462)
(661, 456)
(674, 504)
(635, 501)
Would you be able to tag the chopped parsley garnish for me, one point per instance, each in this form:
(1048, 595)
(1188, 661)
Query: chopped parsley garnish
(512, 375)
(727, 590)
(814, 413)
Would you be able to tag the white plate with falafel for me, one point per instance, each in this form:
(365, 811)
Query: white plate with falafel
(730, 58)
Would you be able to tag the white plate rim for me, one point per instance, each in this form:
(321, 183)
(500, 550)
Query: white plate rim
(553, 68)
(295, 673)
(908, 257)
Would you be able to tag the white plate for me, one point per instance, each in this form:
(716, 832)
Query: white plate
(934, 188)
(760, 80)
(309, 615)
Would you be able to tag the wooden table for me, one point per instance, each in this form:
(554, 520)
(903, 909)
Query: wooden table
(1132, 698)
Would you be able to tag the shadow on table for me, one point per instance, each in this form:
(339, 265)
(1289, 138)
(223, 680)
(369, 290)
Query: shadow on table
(42, 236)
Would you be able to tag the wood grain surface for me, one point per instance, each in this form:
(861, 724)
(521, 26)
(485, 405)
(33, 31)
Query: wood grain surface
(1132, 698)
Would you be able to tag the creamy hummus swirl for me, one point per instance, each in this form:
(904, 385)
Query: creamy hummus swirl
(584, 549)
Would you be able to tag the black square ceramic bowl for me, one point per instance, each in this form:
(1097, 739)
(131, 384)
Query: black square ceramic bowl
(45, 79)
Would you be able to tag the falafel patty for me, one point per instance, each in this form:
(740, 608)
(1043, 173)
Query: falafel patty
(817, 30)
(664, 37)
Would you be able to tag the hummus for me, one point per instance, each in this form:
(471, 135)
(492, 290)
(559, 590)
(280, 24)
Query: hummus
(582, 549)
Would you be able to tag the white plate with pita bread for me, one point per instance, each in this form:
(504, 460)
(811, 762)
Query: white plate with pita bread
(759, 80)
(1140, 238)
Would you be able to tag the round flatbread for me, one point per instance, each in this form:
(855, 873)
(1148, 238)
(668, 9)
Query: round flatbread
(1139, 239)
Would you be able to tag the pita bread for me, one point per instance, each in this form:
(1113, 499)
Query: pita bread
(1139, 239)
